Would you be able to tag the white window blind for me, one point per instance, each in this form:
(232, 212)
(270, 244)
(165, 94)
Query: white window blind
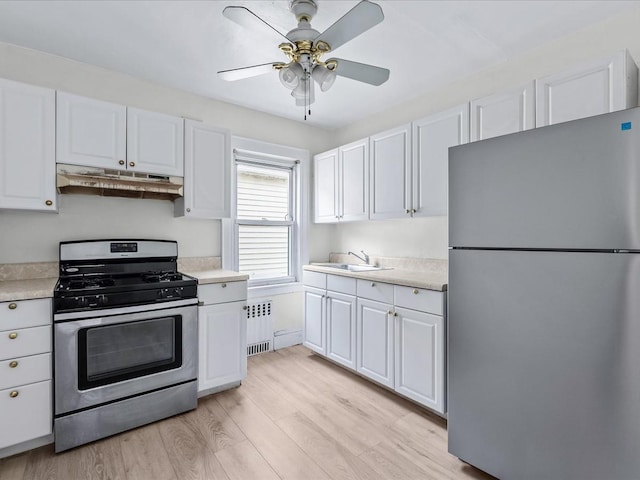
(264, 219)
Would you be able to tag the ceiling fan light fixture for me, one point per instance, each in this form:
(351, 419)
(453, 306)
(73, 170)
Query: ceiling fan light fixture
(324, 77)
(304, 93)
(290, 75)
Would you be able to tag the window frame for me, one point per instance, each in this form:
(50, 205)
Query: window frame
(259, 152)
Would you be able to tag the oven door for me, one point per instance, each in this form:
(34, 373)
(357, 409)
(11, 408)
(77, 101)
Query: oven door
(128, 352)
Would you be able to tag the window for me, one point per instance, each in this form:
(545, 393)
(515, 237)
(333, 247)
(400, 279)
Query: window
(265, 224)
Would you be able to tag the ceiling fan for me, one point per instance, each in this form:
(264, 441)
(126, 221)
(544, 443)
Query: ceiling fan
(305, 47)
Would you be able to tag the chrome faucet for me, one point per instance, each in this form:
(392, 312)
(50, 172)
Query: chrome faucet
(365, 259)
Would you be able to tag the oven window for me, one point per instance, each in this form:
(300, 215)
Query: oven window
(113, 353)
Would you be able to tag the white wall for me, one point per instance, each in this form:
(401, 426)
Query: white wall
(27, 237)
(428, 237)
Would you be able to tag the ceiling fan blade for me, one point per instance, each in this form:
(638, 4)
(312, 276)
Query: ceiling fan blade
(246, 18)
(356, 21)
(360, 71)
(245, 72)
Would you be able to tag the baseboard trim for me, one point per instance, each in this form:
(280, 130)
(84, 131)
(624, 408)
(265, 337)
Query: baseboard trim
(286, 338)
(24, 446)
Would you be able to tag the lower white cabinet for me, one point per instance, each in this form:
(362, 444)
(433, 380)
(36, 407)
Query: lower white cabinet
(25, 371)
(375, 341)
(391, 334)
(315, 323)
(419, 357)
(341, 329)
(222, 330)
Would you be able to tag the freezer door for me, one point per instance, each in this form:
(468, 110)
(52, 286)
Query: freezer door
(568, 186)
(544, 359)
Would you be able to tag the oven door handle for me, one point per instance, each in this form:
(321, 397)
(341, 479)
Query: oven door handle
(108, 312)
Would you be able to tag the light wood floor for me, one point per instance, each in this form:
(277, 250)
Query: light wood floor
(296, 416)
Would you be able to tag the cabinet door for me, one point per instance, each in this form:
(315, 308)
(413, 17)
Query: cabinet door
(155, 143)
(390, 173)
(503, 113)
(27, 147)
(222, 344)
(419, 357)
(375, 341)
(207, 172)
(26, 413)
(603, 86)
(325, 191)
(314, 320)
(432, 137)
(90, 132)
(354, 181)
(341, 329)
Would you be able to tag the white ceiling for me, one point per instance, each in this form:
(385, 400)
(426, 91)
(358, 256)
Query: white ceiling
(184, 43)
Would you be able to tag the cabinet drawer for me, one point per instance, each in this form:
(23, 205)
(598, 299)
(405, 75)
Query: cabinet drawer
(222, 292)
(26, 413)
(27, 341)
(420, 299)
(380, 292)
(314, 279)
(25, 313)
(340, 284)
(25, 370)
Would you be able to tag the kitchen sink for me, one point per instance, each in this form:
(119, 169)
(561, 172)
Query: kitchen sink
(352, 268)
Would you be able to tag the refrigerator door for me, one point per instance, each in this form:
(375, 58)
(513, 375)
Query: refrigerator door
(544, 359)
(568, 186)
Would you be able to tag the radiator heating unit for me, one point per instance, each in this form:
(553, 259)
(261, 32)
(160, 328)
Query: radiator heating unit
(259, 328)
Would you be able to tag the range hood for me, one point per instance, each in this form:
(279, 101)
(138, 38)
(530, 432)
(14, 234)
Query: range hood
(116, 183)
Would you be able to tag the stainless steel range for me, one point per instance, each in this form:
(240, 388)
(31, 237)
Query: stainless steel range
(125, 338)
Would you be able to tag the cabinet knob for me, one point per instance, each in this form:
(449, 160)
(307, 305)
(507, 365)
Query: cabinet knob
(13, 335)
(389, 312)
(14, 393)
(407, 211)
(224, 285)
(121, 162)
(245, 308)
(395, 314)
(48, 203)
(413, 210)
(188, 210)
(373, 284)
(13, 364)
(13, 306)
(132, 164)
(416, 291)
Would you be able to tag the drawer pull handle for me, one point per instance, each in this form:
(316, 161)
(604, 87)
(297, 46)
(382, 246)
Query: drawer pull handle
(13, 306)
(373, 284)
(13, 364)
(14, 393)
(13, 335)
(224, 285)
(416, 291)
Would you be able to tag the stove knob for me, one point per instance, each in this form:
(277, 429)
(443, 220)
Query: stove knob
(82, 301)
(177, 291)
(102, 300)
(162, 293)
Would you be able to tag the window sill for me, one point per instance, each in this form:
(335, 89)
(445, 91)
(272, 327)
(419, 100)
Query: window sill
(276, 289)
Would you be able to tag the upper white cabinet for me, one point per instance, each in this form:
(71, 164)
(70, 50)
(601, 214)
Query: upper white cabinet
(90, 132)
(342, 183)
(503, 113)
(27, 147)
(432, 137)
(325, 177)
(603, 86)
(94, 133)
(207, 172)
(155, 142)
(389, 173)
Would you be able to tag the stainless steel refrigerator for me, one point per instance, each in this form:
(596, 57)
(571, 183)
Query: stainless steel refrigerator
(544, 301)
